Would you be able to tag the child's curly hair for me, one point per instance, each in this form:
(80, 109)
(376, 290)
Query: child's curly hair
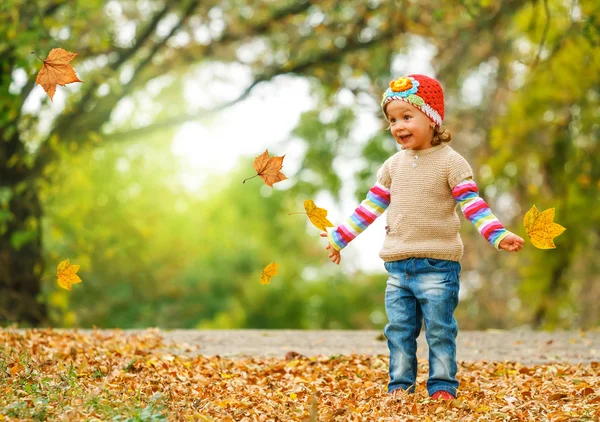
(440, 135)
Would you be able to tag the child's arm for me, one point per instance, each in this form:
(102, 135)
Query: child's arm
(478, 212)
(378, 199)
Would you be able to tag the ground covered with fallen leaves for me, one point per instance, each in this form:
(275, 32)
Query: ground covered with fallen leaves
(110, 375)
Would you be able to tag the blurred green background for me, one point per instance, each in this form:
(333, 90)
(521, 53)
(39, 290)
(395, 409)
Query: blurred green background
(135, 174)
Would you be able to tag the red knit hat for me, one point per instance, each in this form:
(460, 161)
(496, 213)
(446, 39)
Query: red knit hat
(421, 91)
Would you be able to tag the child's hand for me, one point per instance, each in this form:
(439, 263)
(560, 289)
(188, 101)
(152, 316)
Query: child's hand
(335, 255)
(512, 243)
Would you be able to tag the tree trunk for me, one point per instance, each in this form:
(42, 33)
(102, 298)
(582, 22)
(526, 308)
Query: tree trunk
(21, 263)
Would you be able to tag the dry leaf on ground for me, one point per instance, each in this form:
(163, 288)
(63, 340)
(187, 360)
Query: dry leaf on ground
(101, 374)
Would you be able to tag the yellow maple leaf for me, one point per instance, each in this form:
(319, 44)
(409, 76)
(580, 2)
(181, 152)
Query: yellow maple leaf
(56, 70)
(268, 168)
(269, 271)
(66, 274)
(541, 228)
(316, 215)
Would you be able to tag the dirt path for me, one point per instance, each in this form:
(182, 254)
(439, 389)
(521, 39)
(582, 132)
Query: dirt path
(527, 347)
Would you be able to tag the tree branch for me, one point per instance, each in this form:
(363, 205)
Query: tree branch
(544, 35)
(141, 40)
(156, 47)
(129, 86)
(461, 48)
(45, 155)
(328, 56)
(257, 29)
(66, 119)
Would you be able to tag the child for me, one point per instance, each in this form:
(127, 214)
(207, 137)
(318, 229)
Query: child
(420, 186)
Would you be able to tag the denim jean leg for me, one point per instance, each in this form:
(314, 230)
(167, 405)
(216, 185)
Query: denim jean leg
(437, 293)
(402, 330)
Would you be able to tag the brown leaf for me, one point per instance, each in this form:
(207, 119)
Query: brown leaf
(268, 168)
(291, 355)
(525, 370)
(56, 70)
(414, 410)
(587, 391)
(558, 416)
(339, 412)
(15, 368)
(133, 367)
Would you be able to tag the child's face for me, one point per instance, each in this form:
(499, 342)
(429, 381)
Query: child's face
(410, 126)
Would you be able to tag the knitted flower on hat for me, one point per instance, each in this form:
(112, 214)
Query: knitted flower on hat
(421, 91)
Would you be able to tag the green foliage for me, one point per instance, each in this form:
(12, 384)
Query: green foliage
(151, 413)
(34, 394)
(543, 150)
(375, 152)
(324, 132)
(154, 254)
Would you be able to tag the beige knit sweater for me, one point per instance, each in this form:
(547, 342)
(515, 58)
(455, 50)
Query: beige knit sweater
(421, 218)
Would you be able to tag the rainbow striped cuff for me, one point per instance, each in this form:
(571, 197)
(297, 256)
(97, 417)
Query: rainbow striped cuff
(478, 212)
(378, 199)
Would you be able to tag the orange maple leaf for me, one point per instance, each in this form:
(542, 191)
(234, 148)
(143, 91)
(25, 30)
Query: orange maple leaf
(56, 70)
(66, 274)
(268, 168)
(316, 215)
(269, 271)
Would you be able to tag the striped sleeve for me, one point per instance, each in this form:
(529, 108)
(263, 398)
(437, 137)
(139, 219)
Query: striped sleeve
(477, 211)
(378, 199)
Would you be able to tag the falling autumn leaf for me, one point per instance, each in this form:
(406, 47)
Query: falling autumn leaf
(56, 70)
(316, 215)
(541, 228)
(269, 271)
(268, 168)
(66, 274)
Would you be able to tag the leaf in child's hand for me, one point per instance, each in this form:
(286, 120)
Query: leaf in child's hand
(541, 228)
(316, 215)
(66, 274)
(269, 271)
(268, 168)
(56, 70)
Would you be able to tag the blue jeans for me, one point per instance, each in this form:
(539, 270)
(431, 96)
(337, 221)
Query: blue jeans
(422, 289)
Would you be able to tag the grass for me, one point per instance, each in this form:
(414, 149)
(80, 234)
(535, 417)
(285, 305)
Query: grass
(29, 392)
